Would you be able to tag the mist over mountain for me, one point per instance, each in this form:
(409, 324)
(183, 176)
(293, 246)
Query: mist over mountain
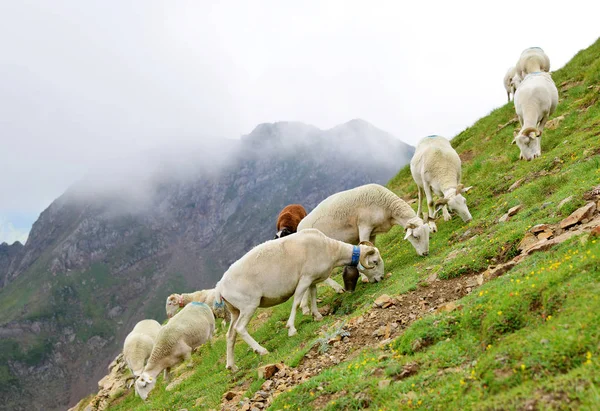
(108, 251)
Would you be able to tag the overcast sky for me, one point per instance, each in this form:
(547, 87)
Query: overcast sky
(85, 82)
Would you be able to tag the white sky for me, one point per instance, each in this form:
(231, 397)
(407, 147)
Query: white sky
(84, 82)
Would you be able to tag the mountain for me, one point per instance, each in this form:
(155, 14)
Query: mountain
(503, 314)
(108, 251)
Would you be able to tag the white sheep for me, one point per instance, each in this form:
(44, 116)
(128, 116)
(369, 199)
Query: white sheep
(436, 169)
(138, 345)
(359, 214)
(535, 100)
(272, 272)
(176, 301)
(532, 60)
(190, 328)
(512, 79)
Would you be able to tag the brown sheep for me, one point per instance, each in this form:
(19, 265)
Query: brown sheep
(288, 220)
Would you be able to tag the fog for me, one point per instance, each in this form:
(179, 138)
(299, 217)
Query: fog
(87, 86)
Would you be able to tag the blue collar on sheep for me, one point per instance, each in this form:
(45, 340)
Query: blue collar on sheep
(355, 256)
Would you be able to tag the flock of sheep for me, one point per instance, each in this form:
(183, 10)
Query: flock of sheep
(339, 232)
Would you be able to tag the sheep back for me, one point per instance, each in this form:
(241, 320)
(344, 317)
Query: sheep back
(139, 343)
(441, 163)
(194, 325)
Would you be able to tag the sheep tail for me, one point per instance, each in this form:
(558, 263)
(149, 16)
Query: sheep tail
(527, 132)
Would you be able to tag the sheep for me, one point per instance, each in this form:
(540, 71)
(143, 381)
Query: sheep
(272, 272)
(359, 214)
(535, 100)
(532, 60)
(138, 345)
(187, 330)
(175, 301)
(288, 220)
(436, 169)
(511, 81)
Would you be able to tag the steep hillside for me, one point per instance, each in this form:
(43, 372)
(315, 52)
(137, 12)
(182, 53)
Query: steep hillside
(108, 252)
(500, 315)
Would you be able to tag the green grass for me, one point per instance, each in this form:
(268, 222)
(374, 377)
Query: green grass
(530, 337)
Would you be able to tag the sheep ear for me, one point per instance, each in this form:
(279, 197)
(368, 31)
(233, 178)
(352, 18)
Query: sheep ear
(464, 190)
(459, 188)
(367, 243)
(408, 233)
(514, 141)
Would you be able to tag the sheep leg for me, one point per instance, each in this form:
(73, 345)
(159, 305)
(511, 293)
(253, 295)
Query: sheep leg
(231, 337)
(301, 289)
(313, 297)
(304, 304)
(419, 211)
(446, 213)
(240, 327)
(431, 211)
(167, 373)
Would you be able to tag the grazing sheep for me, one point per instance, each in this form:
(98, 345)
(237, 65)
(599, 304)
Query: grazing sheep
(535, 100)
(138, 345)
(360, 214)
(288, 219)
(175, 301)
(272, 272)
(511, 82)
(532, 60)
(436, 168)
(188, 329)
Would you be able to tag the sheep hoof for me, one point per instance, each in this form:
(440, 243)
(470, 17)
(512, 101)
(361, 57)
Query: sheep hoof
(232, 367)
(262, 351)
(432, 226)
(305, 311)
(340, 291)
(317, 316)
(292, 332)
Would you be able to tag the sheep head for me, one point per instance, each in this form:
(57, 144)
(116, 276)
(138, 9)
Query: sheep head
(371, 263)
(144, 384)
(173, 304)
(418, 234)
(529, 143)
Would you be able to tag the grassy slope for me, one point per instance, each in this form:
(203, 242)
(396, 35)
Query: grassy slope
(531, 335)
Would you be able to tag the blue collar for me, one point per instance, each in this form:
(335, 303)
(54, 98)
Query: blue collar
(355, 255)
(432, 136)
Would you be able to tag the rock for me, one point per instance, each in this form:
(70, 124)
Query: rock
(453, 254)
(528, 240)
(178, 380)
(497, 271)
(267, 385)
(379, 332)
(381, 300)
(432, 278)
(583, 212)
(544, 341)
(504, 218)
(384, 384)
(514, 210)
(325, 310)
(595, 232)
(546, 204)
(516, 184)
(563, 202)
(269, 370)
(539, 228)
(449, 307)
(388, 275)
(545, 235)
(261, 393)
(408, 370)
(554, 123)
(229, 395)
(385, 342)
